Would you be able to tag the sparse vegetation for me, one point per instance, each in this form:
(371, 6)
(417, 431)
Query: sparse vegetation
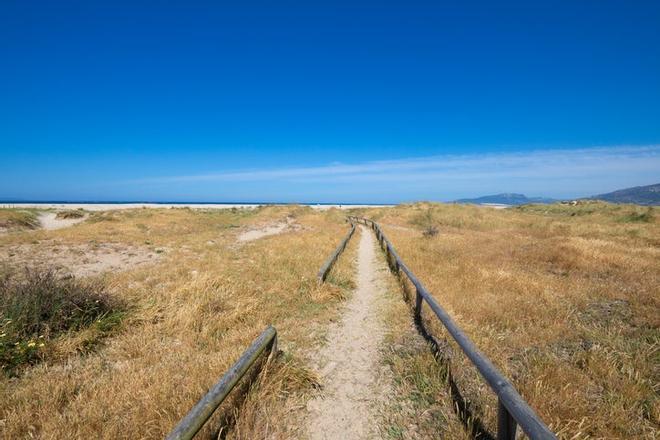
(70, 214)
(420, 406)
(191, 315)
(566, 305)
(17, 219)
(427, 222)
(562, 298)
(430, 231)
(645, 216)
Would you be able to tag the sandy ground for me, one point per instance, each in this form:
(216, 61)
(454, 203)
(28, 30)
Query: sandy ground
(81, 259)
(271, 229)
(113, 206)
(50, 221)
(349, 364)
(494, 205)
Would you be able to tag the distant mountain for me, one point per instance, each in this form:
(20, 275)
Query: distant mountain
(506, 199)
(639, 195)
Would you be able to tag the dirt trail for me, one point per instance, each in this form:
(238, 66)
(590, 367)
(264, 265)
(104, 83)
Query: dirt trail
(349, 363)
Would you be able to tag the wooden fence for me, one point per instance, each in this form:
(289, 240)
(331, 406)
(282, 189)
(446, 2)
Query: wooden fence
(190, 425)
(325, 269)
(513, 410)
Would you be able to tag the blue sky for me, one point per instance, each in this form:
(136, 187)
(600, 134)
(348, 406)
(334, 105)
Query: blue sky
(328, 102)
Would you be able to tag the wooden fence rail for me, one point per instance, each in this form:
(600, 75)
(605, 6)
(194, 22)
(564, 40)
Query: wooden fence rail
(325, 269)
(190, 425)
(513, 410)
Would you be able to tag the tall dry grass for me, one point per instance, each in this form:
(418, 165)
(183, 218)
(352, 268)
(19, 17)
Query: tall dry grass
(190, 317)
(563, 299)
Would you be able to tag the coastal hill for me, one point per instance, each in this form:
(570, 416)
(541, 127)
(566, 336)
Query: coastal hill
(506, 199)
(640, 195)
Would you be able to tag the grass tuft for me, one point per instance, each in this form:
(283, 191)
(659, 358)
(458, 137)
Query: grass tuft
(646, 216)
(18, 219)
(70, 214)
(40, 305)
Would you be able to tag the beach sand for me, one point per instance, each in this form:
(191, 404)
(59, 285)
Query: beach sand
(113, 206)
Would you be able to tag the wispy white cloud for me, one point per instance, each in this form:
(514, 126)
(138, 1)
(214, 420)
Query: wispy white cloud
(542, 172)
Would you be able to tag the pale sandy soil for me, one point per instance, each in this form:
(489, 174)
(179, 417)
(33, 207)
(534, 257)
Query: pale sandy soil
(271, 229)
(494, 205)
(50, 221)
(349, 365)
(79, 259)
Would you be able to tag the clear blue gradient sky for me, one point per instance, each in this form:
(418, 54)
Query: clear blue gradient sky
(328, 102)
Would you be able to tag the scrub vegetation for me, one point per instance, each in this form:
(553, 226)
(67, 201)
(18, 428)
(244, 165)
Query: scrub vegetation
(187, 317)
(17, 219)
(563, 299)
(36, 307)
(70, 214)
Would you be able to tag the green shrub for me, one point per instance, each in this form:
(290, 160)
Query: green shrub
(639, 217)
(40, 305)
(70, 214)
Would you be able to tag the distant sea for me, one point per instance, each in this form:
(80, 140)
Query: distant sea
(147, 202)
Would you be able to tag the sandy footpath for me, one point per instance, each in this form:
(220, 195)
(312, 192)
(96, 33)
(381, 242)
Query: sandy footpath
(351, 389)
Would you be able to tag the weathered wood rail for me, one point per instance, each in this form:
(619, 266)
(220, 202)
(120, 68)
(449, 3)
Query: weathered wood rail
(193, 422)
(325, 269)
(190, 425)
(513, 410)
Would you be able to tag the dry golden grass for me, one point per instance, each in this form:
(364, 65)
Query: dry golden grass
(275, 408)
(17, 219)
(190, 316)
(419, 405)
(563, 299)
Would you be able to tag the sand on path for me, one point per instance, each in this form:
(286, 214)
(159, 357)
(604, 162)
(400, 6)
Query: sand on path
(349, 363)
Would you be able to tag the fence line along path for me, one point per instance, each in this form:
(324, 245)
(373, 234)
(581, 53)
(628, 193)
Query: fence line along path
(325, 269)
(513, 410)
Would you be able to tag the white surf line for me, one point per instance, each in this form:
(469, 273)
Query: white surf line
(345, 409)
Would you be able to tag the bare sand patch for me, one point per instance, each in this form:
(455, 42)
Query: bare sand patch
(87, 259)
(270, 229)
(50, 221)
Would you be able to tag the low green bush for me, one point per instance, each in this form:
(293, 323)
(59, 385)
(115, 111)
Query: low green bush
(38, 305)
